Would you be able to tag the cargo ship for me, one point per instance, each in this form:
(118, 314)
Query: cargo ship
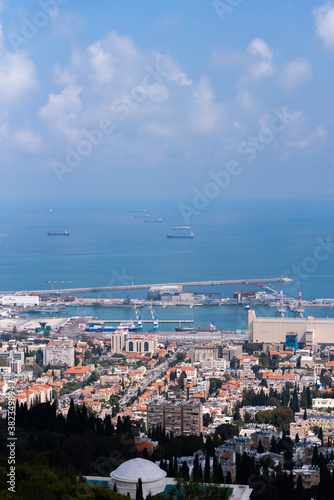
(181, 228)
(58, 233)
(153, 220)
(179, 235)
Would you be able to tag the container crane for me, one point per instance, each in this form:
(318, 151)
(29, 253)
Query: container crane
(57, 282)
(155, 319)
(139, 318)
(281, 309)
(300, 310)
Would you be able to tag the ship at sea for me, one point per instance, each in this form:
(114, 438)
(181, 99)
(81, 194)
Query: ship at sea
(188, 234)
(58, 233)
(153, 220)
(141, 216)
(181, 228)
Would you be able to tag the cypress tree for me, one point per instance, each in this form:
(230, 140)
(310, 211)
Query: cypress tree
(196, 468)
(185, 471)
(260, 448)
(119, 428)
(215, 469)
(221, 479)
(200, 473)
(139, 490)
(315, 457)
(207, 469)
(170, 472)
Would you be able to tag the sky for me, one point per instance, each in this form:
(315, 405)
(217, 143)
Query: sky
(186, 100)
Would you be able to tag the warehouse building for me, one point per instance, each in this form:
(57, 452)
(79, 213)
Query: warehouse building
(308, 330)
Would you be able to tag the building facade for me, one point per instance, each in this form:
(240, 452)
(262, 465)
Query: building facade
(183, 419)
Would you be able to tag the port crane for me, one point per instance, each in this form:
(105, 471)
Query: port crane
(154, 318)
(300, 310)
(52, 290)
(139, 318)
(281, 309)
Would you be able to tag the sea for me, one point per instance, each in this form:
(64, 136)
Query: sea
(245, 238)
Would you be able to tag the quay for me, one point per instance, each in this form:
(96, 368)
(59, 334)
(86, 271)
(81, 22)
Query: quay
(103, 322)
(144, 287)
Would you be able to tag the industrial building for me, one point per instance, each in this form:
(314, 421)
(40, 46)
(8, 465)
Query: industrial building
(181, 419)
(20, 300)
(308, 330)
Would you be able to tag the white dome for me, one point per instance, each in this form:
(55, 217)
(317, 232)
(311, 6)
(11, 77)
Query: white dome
(136, 468)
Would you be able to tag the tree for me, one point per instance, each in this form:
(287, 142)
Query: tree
(185, 471)
(260, 448)
(139, 490)
(237, 415)
(182, 377)
(315, 457)
(305, 415)
(297, 438)
(207, 469)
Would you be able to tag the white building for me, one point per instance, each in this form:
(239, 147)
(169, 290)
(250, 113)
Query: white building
(309, 330)
(58, 354)
(141, 345)
(127, 474)
(20, 300)
(117, 341)
(322, 403)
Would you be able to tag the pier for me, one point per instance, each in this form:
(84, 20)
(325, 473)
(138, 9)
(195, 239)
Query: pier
(147, 286)
(104, 322)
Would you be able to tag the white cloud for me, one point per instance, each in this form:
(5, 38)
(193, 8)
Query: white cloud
(321, 132)
(17, 76)
(294, 73)
(261, 65)
(310, 139)
(259, 47)
(28, 140)
(324, 23)
(63, 110)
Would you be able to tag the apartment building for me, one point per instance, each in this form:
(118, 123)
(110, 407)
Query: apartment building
(181, 419)
(141, 345)
(58, 354)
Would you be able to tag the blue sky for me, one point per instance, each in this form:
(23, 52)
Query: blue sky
(109, 100)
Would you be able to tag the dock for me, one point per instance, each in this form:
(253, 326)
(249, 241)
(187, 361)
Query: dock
(104, 322)
(147, 286)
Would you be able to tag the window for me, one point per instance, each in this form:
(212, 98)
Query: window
(130, 346)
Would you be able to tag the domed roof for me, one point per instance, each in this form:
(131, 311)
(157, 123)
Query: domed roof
(136, 468)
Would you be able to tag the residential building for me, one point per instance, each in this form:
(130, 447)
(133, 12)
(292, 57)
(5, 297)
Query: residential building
(181, 419)
(58, 354)
(141, 345)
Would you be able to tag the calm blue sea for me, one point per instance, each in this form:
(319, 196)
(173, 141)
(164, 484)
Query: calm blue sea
(247, 238)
